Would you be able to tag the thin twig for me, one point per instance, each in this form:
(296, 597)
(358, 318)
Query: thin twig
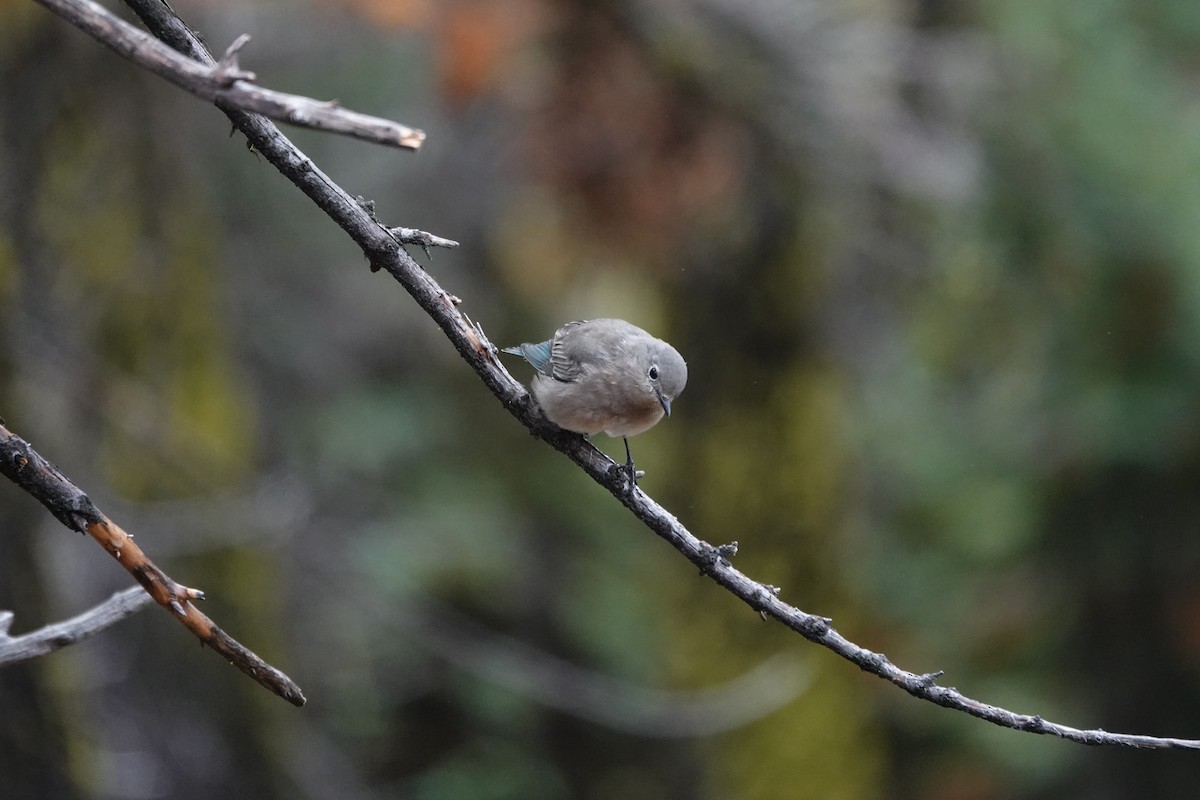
(47, 639)
(225, 83)
(383, 253)
(24, 466)
(414, 236)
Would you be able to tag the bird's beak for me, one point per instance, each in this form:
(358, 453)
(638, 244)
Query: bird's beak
(665, 401)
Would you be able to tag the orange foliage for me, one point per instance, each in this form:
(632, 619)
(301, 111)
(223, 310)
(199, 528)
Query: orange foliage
(392, 13)
(649, 160)
(477, 39)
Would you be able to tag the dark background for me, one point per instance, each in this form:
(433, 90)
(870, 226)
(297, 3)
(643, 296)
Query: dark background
(935, 268)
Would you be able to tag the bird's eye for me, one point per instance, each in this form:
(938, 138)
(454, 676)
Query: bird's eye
(653, 372)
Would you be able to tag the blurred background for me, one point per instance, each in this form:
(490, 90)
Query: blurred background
(935, 268)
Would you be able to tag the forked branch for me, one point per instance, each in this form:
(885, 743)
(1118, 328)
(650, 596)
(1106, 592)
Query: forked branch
(227, 84)
(24, 466)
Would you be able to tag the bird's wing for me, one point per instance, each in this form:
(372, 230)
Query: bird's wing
(565, 364)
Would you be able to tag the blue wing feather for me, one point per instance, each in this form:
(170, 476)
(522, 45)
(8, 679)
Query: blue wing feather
(536, 354)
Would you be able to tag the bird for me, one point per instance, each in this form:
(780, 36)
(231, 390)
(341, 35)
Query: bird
(605, 375)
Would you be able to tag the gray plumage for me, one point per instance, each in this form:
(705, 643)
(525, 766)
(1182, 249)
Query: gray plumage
(604, 375)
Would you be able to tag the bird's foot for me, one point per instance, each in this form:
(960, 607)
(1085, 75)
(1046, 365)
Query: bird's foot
(628, 473)
(632, 473)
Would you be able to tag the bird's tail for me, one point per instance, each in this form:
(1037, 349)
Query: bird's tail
(536, 354)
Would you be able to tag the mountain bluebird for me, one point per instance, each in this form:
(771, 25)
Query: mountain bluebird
(605, 375)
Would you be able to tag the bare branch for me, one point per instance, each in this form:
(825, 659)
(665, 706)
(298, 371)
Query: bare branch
(408, 235)
(382, 252)
(24, 466)
(225, 83)
(47, 639)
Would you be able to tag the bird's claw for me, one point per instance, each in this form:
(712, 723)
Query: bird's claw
(628, 474)
(632, 473)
